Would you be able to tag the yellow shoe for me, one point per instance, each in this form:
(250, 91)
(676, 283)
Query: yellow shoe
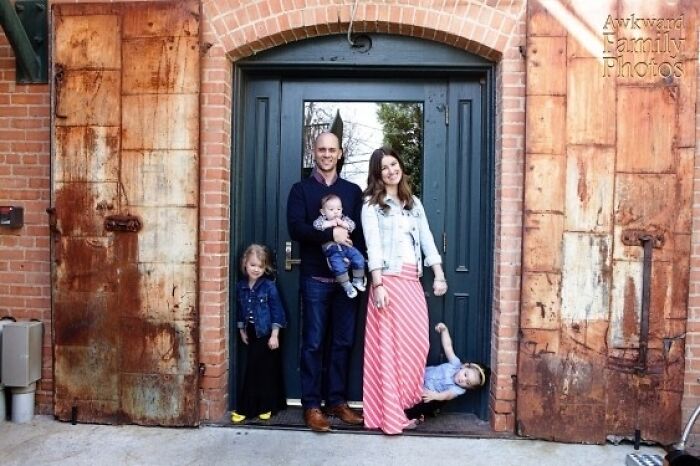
(265, 416)
(237, 418)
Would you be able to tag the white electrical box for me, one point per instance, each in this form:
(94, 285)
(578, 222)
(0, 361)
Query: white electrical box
(21, 353)
(3, 322)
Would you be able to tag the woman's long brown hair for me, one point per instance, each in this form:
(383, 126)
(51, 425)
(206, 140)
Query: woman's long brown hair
(376, 190)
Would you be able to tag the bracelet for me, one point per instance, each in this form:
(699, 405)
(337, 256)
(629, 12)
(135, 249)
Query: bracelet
(377, 285)
(440, 280)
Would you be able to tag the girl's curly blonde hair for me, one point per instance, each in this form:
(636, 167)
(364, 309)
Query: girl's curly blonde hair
(262, 253)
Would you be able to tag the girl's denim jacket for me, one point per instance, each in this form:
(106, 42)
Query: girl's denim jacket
(381, 230)
(265, 304)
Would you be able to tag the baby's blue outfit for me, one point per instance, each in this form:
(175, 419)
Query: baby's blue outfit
(441, 378)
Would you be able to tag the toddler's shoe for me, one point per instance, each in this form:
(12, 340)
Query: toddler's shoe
(359, 283)
(349, 289)
(265, 416)
(237, 418)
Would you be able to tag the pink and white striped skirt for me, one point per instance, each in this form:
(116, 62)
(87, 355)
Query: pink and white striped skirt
(396, 349)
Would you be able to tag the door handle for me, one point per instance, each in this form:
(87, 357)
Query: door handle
(288, 261)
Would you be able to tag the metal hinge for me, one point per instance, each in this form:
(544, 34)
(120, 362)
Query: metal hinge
(447, 115)
(444, 242)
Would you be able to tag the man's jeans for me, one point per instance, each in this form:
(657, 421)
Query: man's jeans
(326, 310)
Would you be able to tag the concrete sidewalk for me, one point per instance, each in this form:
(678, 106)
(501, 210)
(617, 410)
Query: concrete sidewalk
(48, 442)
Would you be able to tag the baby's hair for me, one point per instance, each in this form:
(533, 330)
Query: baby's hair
(263, 255)
(327, 198)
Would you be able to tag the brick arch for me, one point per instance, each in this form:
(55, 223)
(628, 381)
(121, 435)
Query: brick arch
(254, 27)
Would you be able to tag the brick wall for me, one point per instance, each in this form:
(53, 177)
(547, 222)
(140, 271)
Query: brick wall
(25, 281)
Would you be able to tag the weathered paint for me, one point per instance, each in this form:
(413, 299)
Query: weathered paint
(629, 149)
(547, 173)
(585, 290)
(646, 123)
(125, 197)
(589, 188)
(541, 301)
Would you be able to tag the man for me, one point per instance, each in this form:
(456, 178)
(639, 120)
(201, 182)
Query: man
(325, 303)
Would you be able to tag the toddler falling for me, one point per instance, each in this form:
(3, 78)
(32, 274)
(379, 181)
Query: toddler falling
(449, 380)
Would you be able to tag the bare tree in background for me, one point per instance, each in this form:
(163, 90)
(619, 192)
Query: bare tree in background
(318, 117)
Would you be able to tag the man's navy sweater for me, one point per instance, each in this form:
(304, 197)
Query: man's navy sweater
(303, 207)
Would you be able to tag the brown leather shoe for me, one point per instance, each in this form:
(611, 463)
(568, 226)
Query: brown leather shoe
(345, 414)
(316, 420)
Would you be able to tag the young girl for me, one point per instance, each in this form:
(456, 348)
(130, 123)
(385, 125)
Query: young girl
(260, 317)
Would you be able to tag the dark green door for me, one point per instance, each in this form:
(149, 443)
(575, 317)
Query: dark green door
(281, 116)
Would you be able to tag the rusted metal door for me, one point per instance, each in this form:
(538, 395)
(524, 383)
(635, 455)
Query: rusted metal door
(609, 170)
(125, 208)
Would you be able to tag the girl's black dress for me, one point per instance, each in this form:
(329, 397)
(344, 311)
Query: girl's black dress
(263, 385)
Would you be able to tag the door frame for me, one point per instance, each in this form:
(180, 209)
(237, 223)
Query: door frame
(331, 56)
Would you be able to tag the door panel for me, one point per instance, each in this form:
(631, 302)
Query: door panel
(125, 149)
(439, 193)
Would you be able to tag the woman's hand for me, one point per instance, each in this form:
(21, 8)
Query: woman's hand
(439, 286)
(381, 297)
(244, 336)
(273, 343)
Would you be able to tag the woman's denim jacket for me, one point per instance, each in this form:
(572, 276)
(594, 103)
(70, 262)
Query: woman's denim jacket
(265, 304)
(381, 230)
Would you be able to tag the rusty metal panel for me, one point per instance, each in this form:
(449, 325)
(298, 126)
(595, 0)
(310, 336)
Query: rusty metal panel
(541, 300)
(83, 206)
(545, 183)
(687, 94)
(172, 287)
(86, 153)
(546, 65)
(87, 98)
(681, 276)
(589, 188)
(684, 190)
(646, 125)
(168, 398)
(145, 116)
(168, 19)
(542, 242)
(625, 306)
(126, 155)
(642, 202)
(588, 94)
(170, 68)
(93, 41)
(158, 347)
(89, 268)
(540, 21)
(546, 125)
(160, 177)
(163, 227)
(586, 277)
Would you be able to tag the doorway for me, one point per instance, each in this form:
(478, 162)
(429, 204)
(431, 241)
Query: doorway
(440, 113)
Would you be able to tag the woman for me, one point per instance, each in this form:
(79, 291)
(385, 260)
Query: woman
(396, 335)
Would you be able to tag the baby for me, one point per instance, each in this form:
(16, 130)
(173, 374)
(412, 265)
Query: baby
(448, 380)
(338, 255)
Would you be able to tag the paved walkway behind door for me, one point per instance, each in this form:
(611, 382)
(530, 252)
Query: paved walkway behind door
(49, 442)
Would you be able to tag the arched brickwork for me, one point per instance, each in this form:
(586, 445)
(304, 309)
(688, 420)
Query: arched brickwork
(234, 32)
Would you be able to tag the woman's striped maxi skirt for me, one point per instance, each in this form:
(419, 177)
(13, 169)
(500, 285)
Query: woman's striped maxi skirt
(396, 348)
